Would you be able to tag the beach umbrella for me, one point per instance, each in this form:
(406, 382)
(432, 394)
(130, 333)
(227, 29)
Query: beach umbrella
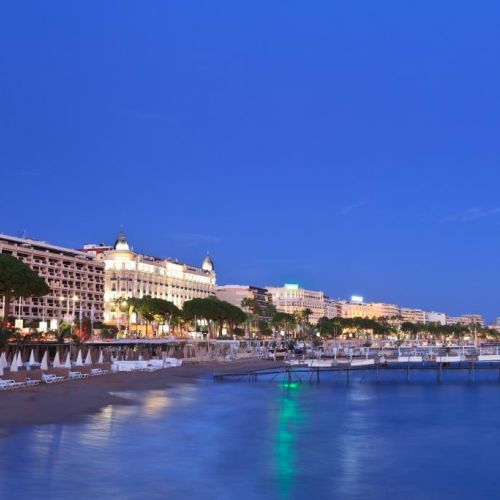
(19, 359)
(32, 360)
(101, 358)
(79, 360)
(13, 365)
(67, 363)
(45, 361)
(3, 361)
(1, 371)
(88, 359)
(57, 361)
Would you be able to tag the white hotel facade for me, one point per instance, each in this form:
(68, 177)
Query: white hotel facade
(129, 274)
(291, 299)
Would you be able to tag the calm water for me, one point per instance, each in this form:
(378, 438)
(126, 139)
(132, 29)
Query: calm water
(268, 440)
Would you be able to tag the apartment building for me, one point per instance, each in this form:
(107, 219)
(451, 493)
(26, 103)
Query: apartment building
(412, 315)
(467, 319)
(372, 310)
(235, 294)
(76, 282)
(435, 317)
(291, 298)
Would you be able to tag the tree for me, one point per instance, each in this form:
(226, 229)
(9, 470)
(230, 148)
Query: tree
(163, 310)
(253, 309)
(215, 312)
(18, 280)
(284, 321)
(326, 327)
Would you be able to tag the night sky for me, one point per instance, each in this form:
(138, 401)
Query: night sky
(349, 146)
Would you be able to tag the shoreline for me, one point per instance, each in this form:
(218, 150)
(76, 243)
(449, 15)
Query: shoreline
(74, 400)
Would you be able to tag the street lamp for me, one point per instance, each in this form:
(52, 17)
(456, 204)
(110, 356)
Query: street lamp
(123, 307)
(75, 298)
(61, 299)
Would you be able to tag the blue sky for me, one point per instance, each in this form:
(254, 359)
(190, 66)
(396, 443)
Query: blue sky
(350, 146)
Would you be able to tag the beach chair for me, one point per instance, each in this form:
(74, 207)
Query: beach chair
(31, 382)
(10, 384)
(77, 375)
(98, 371)
(49, 378)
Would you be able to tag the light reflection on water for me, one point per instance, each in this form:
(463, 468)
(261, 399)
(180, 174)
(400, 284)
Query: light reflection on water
(266, 440)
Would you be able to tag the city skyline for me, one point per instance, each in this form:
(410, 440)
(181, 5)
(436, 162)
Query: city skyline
(349, 148)
(97, 249)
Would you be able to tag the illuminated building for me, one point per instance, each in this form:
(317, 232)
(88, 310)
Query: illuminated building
(372, 310)
(129, 274)
(293, 299)
(76, 282)
(412, 315)
(466, 319)
(435, 317)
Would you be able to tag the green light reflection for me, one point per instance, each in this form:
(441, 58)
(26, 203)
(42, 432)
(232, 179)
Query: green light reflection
(290, 418)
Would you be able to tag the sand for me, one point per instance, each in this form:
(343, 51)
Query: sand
(73, 400)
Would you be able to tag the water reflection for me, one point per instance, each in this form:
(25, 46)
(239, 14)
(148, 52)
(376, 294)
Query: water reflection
(290, 418)
(265, 441)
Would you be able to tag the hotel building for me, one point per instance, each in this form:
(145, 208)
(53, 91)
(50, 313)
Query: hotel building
(466, 319)
(130, 274)
(293, 299)
(372, 310)
(76, 282)
(435, 317)
(412, 315)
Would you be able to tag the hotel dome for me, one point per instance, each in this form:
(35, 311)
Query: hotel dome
(121, 243)
(208, 264)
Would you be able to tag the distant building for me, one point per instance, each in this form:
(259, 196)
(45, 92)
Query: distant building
(382, 310)
(97, 250)
(353, 309)
(452, 320)
(291, 298)
(332, 307)
(435, 317)
(466, 319)
(372, 310)
(76, 281)
(130, 274)
(235, 294)
(412, 315)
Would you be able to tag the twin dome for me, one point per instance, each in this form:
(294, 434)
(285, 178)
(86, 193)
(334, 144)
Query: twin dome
(121, 245)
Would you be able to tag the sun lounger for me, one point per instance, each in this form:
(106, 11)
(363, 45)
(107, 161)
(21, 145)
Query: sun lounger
(98, 371)
(49, 378)
(77, 375)
(30, 382)
(10, 384)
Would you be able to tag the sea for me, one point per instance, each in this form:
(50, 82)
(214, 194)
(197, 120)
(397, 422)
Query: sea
(270, 439)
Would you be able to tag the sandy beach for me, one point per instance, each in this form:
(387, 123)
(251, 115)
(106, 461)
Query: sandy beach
(71, 400)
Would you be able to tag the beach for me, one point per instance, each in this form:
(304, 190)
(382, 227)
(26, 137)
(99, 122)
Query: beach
(73, 400)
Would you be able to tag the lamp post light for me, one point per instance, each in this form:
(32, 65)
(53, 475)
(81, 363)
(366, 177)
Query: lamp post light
(74, 299)
(61, 300)
(123, 308)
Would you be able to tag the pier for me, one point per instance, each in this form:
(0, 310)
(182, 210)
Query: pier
(376, 372)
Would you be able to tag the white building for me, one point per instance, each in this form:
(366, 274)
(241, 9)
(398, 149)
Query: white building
(435, 317)
(292, 299)
(130, 274)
